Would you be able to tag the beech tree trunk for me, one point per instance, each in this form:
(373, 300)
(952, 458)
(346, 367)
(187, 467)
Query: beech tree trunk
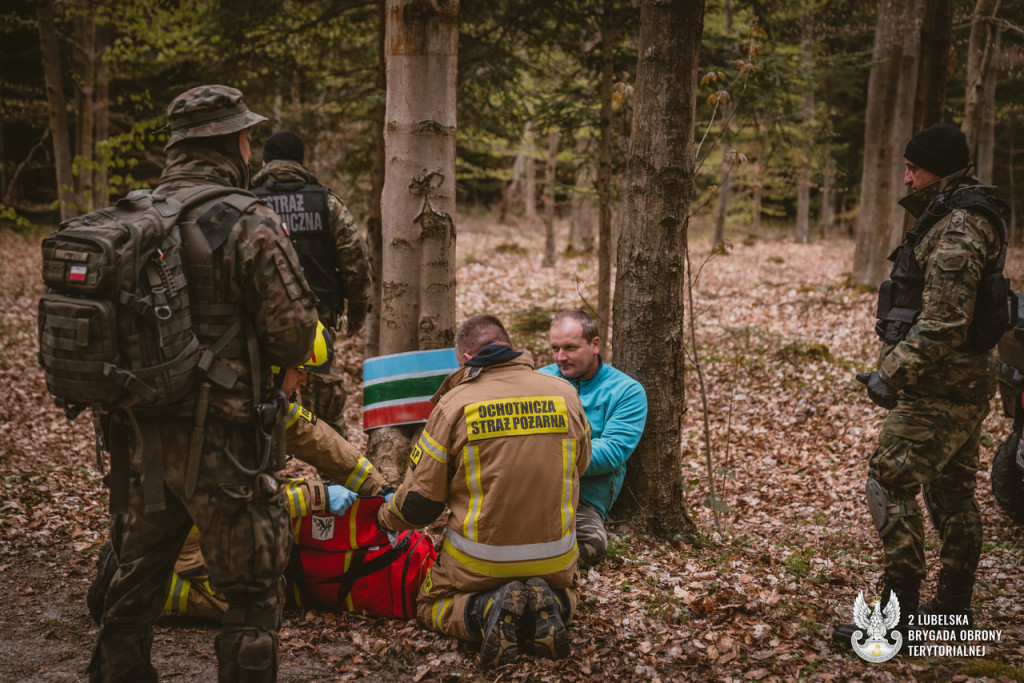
(59, 131)
(604, 178)
(979, 113)
(887, 128)
(650, 282)
(418, 196)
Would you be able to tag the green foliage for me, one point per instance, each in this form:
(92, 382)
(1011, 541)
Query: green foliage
(10, 219)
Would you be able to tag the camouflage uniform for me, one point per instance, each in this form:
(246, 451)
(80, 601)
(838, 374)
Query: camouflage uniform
(245, 537)
(325, 396)
(931, 438)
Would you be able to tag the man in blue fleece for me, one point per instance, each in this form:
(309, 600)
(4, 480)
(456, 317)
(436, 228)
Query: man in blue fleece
(616, 406)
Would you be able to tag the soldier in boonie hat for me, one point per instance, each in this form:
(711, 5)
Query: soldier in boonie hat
(208, 111)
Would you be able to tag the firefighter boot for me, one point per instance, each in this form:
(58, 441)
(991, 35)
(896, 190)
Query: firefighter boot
(907, 591)
(495, 615)
(545, 634)
(953, 596)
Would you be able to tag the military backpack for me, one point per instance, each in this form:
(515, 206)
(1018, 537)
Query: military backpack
(115, 324)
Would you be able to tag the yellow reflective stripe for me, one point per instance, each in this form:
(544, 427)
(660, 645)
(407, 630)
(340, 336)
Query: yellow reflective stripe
(298, 506)
(393, 509)
(348, 563)
(209, 587)
(177, 596)
(437, 613)
(502, 570)
(293, 414)
(471, 461)
(568, 459)
(436, 450)
(359, 475)
(297, 594)
(296, 528)
(194, 531)
(352, 524)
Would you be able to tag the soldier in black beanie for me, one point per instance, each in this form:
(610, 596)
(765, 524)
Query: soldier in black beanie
(938, 323)
(940, 149)
(332, 251)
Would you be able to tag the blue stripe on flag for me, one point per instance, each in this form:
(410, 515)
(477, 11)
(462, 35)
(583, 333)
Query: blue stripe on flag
(383, 367)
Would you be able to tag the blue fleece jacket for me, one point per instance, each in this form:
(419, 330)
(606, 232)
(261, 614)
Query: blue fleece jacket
(616, 407)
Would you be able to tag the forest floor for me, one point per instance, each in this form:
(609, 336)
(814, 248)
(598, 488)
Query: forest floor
(780, 336)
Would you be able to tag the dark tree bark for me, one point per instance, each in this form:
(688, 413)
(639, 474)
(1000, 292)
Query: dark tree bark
(373, 222)
(604, 175)
(60, 136)
(650, 282)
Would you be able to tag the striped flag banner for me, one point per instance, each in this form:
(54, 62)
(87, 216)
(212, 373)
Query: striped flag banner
(397, 388)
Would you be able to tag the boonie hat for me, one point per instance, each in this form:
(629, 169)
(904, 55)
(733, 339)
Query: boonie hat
(941, 149)
(207, 111)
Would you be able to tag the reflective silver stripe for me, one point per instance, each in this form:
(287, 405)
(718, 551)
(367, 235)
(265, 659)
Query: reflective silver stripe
(435, 449)
(513, 553)
(359, 475)
(471, 461)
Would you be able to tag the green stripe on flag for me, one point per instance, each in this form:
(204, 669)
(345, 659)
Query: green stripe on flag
(413, 387)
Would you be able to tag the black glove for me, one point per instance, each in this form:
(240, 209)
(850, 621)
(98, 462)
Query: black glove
(878, 391)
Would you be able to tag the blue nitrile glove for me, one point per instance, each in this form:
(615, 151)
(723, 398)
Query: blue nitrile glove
(339, 499)
(388, 496)
(878, 391)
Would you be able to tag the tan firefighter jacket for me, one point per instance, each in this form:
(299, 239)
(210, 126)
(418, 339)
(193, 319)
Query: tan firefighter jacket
(310, 440)
(503, 448)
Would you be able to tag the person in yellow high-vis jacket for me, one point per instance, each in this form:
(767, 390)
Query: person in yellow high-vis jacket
(503, 449)
(308, 439)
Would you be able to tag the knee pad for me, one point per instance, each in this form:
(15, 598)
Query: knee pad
(887, 511)
(247, 655)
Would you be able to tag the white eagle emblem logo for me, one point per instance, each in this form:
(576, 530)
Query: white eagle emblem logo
(877, 623)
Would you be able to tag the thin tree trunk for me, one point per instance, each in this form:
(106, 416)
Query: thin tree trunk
(828, 209)
(980, 67)
(58, 107)
(582, 218)
(549, 200)
(418, 196)
(933, 67)
(100, 177)
(803, 187)
(604, 177)
(85, 63)
(529, 175)
(650, 282)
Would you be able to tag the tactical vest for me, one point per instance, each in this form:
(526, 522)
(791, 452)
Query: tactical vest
(899, 297)
(303, 210)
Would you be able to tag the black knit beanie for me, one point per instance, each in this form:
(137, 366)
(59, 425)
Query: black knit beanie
(284, 144)
(941, 149)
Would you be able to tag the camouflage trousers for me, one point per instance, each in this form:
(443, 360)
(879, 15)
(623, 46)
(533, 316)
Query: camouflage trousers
(245, 538)
(591, 537)
(325, 398)
(932, 444)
